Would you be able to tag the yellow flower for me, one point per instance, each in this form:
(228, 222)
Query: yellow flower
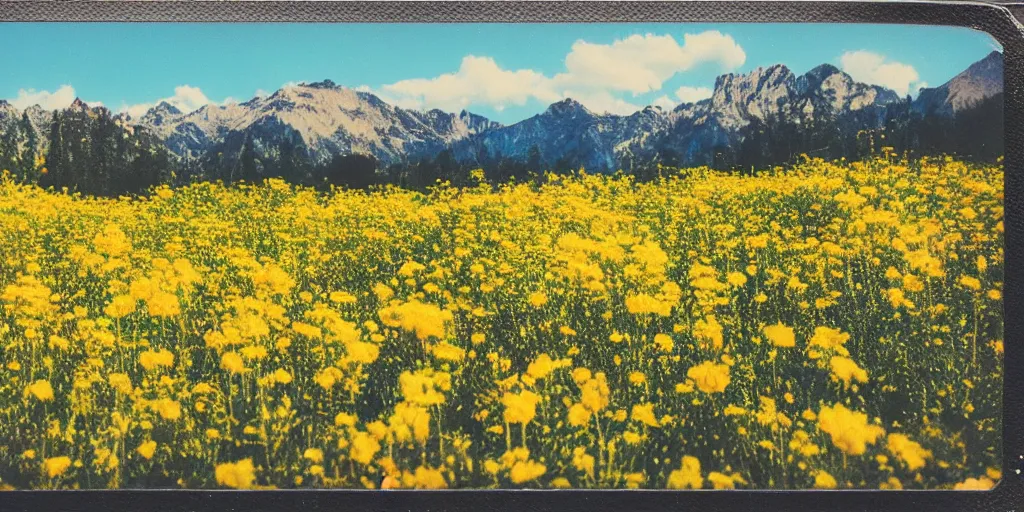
(424, 320)
(635, 480)
(664, 342)
(344, 419)
(583, 461)
(447, 352)
(823, 480)
(56, 466)
(644, 304)
(520, 408)
(383, 292)
(147, 449)
(162, 304)
(424, 387)
(121, 382)
(595, 392)
(314, 455)
(168, 409)
(736, 279)
(254, 353)
(910, 452)
(561, 483)
(710, 377)
(850, 431)
(732, 410)
(828, 339)
(120, 306)
(232, 362)
(151, 360)
(281, 376)
(971, 283)
(40, 389)
(975, 484)
(721, 480)
(540, 367)
(237, 475)
(688, 476)
(579, 415)
(845, 369)
(342, 298)
(524, 471)
(427, 478)
(364, 447)
(644, 413)
(538, 299)
(780, 335)
(709, 331)
(637, 378)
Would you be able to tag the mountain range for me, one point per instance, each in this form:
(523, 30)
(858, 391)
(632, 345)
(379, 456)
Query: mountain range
(325, 120)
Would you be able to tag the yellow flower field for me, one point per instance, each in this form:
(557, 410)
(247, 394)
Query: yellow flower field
(827, 326)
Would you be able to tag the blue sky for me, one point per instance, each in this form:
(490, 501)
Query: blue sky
(503, 71)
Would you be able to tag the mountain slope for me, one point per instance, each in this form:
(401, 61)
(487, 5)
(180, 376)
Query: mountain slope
(312, 123)
(981, 80)
(570, 133)
(329, 119)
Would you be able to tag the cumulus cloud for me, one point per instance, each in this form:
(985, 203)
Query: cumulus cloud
(58, 99)
(479, 80)
(594, 75)
(186, 98)
(603, 102)
(688, 94)
(665, 102)
(640, 64)
(872, 68)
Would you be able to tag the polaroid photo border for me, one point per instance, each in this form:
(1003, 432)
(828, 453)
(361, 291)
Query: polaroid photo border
(995, 20)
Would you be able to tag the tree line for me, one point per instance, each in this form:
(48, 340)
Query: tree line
(90, 152)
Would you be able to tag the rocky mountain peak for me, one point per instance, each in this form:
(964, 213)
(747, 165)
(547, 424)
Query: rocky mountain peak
(980, 80)
(761, 93)
(330, 120)
(568, 107)
(78, 104)
(323, 84)
(167, 108)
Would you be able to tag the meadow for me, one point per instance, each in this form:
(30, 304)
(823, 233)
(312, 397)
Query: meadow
(828, 325)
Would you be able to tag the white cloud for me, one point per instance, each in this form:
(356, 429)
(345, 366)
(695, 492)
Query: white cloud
(603, 102)
(665, 102)
(479, 80)
(872, 68)
(58, 99)
(186, 99)
(688, 94)
(593, 74)
(640, 64)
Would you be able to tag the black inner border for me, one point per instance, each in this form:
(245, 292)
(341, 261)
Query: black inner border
(996, 20)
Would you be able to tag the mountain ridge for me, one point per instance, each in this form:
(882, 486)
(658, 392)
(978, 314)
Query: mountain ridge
(326, 120)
